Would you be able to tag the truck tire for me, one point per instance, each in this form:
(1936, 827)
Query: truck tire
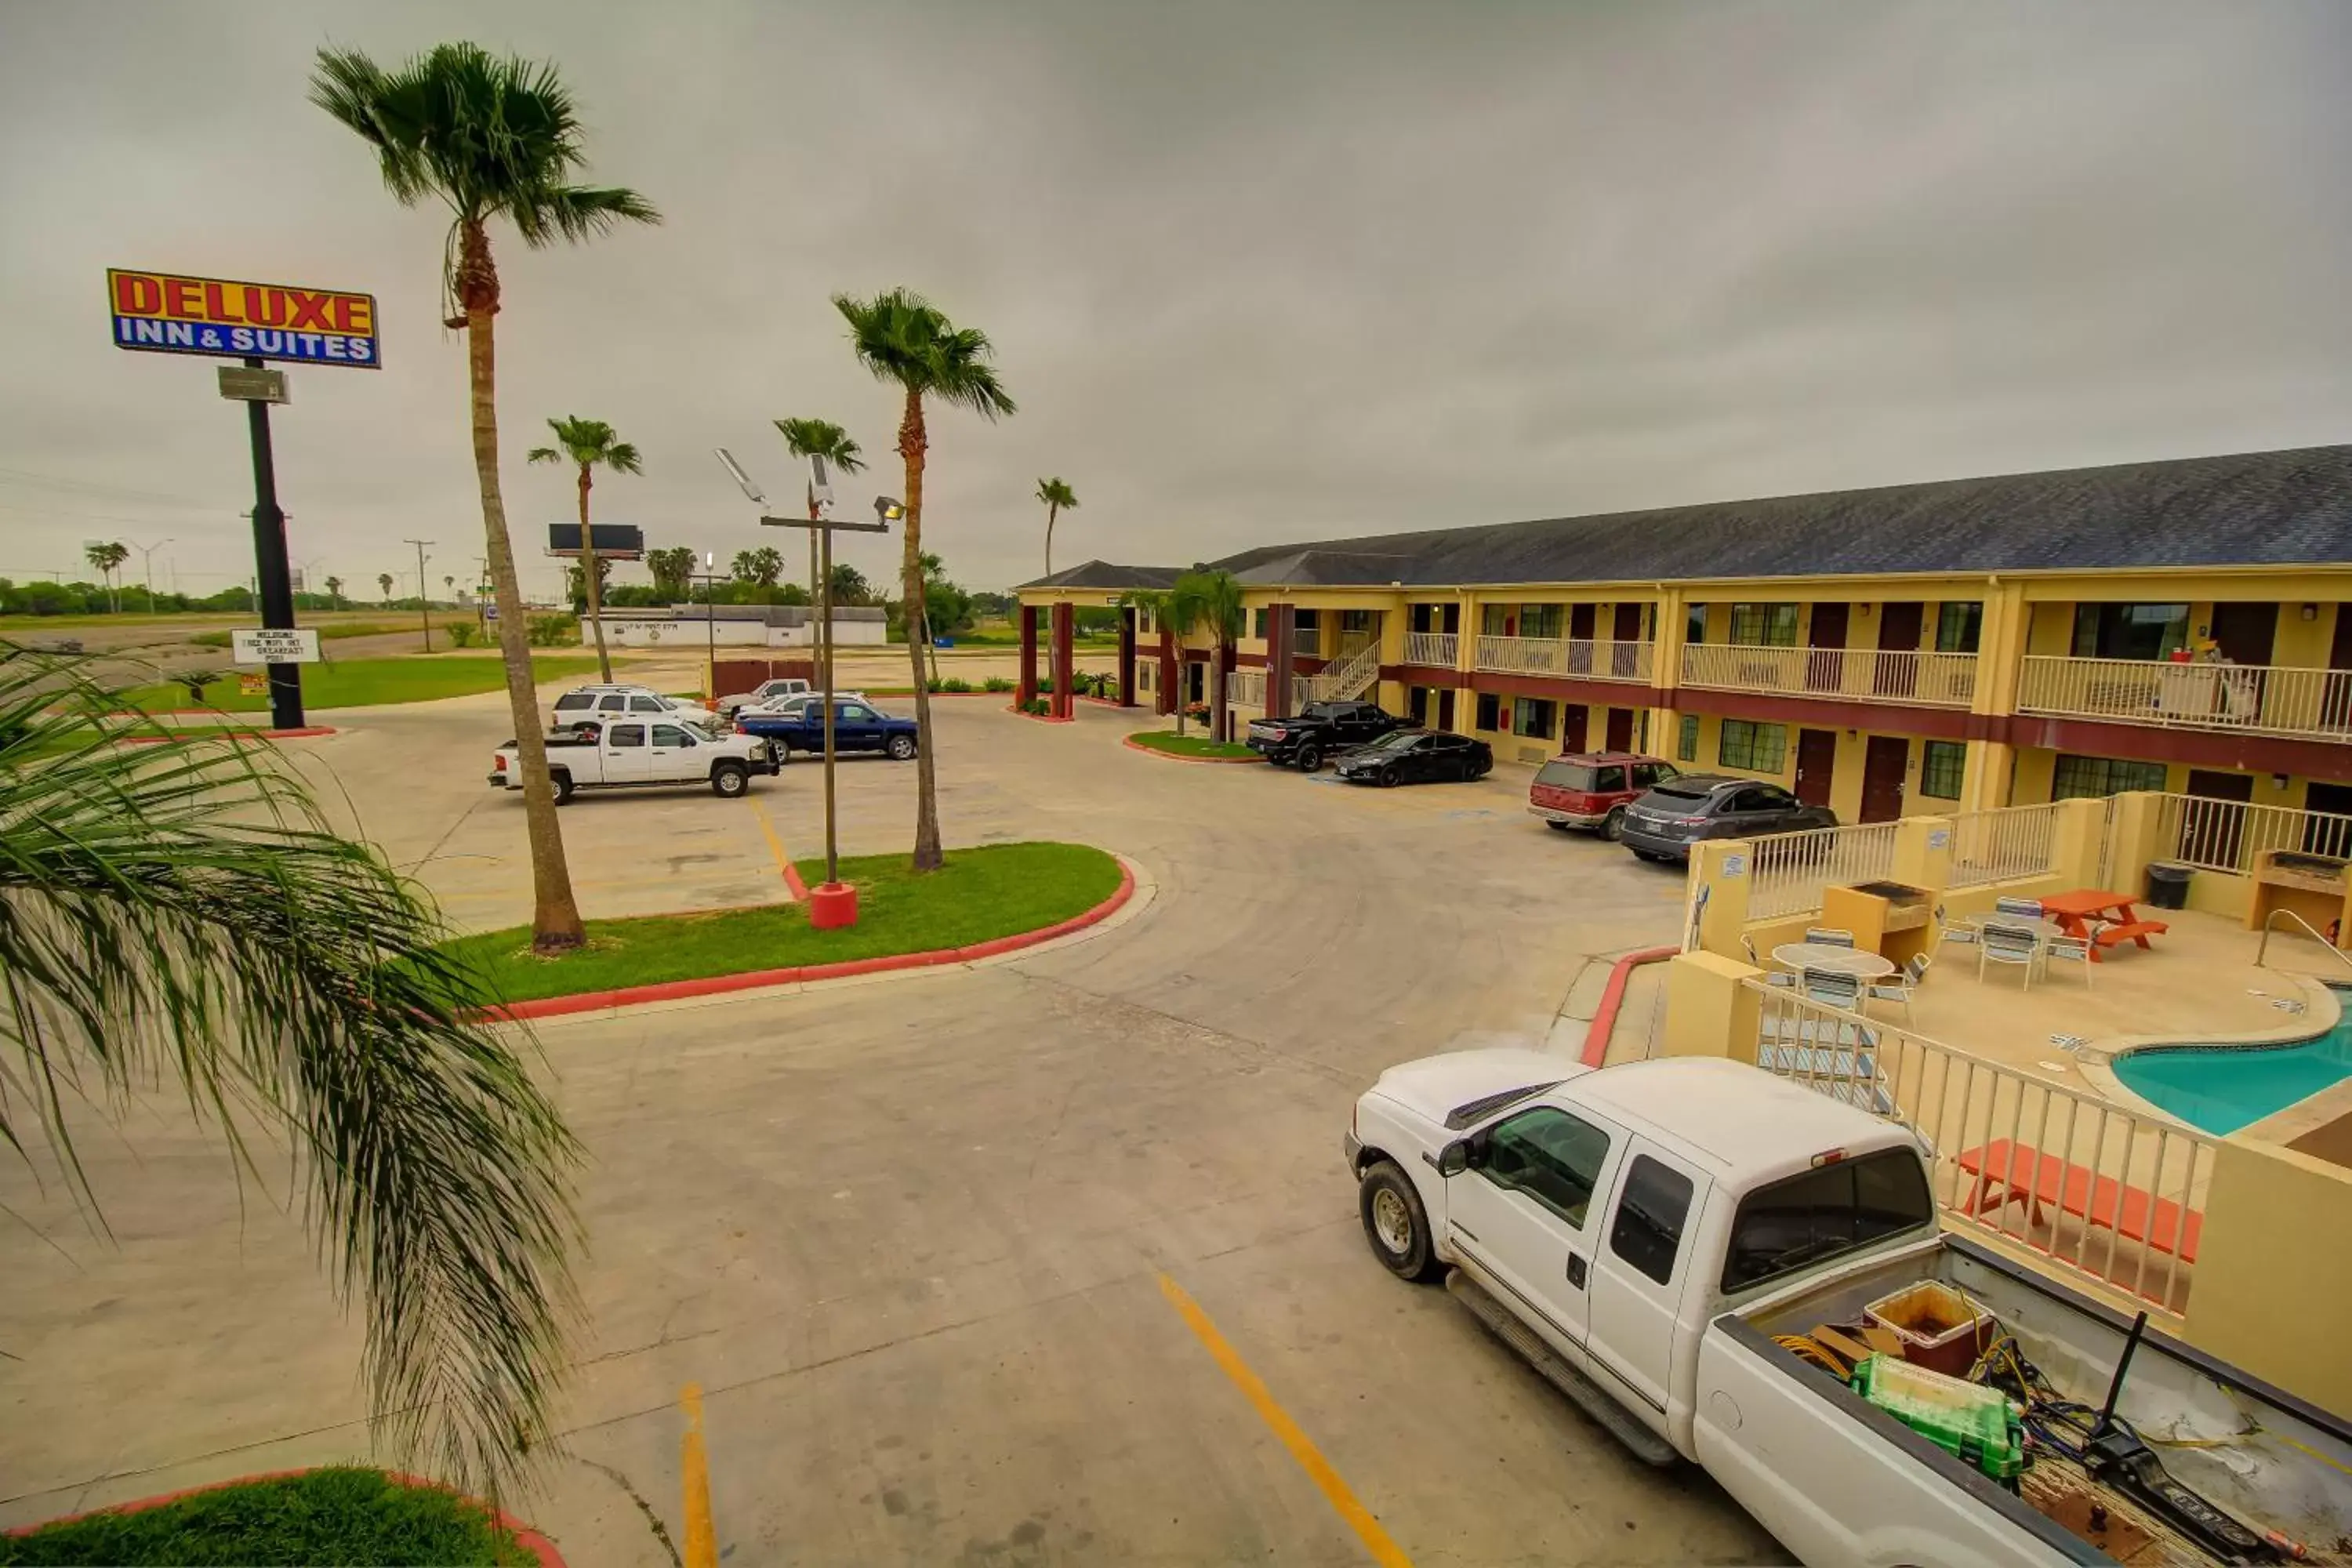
(1613, 825)
(901, 747)
(1310, 758)
(729, 780)
(1395, 1225)
(562, 783)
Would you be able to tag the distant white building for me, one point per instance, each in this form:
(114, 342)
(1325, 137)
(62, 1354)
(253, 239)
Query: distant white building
(739, 625)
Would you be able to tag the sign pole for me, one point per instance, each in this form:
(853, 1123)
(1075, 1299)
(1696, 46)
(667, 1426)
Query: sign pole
(273, 575)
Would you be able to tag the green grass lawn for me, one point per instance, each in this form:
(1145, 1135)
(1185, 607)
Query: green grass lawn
(1188, 746)
(325, 1516)
(1000, 889)
(368, 683)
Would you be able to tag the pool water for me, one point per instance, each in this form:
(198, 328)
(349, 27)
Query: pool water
(2224, 1089)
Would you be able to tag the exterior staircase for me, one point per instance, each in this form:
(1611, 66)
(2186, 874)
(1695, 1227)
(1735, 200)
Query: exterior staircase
(1344, 681)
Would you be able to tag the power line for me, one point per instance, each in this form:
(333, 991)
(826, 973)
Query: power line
(26, 476)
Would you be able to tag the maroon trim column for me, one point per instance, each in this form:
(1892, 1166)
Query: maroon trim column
(1279, 659)
(1127, 656)
(1024, 688)
(1170, 692)
(1065, 618)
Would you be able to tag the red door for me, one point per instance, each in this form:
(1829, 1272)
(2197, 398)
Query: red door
(1621, 730)
(1816, 765)
(1825, 668)
(1625, 659)
(1579, 636)
(1884, 762)
(1571, 727)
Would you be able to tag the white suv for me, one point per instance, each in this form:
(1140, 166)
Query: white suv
(605, 702)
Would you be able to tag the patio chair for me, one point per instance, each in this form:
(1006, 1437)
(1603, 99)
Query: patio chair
(1830, 936)
(2075, 950)
(1898, 987)
(2009, 944)
(1771, 976)
(2030, 907)
(1832, 989)
(1959, 933)
(1843, 1073)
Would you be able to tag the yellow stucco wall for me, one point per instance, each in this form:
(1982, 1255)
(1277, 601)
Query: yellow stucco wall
(2275, 1270)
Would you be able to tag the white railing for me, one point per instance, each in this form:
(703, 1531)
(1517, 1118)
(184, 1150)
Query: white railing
(1860, 675)
(1244, 687)
(2003, 845)
(2235, 835)
(2249, 699)
(1437, 649)
(1581, 659)
(2120, 1191)
(1788, 870)
(1348, 679)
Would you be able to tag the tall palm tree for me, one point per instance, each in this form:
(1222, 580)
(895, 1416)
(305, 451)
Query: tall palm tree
(1058, 497)
(384, 583)
(821, 438)
(1213, 599)
(590, 443)
(181, 910)
(334, 592)
(491, 138)
(904, 340)
(109, 559)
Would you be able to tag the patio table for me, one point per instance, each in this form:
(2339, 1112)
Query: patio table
(2075, 912)
(1801, 956)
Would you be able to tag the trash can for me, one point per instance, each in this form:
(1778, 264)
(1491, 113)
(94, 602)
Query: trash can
(2168, 884)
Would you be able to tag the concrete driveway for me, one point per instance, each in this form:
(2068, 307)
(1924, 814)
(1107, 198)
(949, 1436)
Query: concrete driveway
(1047, 1261)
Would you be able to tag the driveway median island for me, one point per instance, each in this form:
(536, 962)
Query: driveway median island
(1190, 748)
(985, 900)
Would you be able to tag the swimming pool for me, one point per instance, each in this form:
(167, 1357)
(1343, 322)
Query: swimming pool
(2222, 1089)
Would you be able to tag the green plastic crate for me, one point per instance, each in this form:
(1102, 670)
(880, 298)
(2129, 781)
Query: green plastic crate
(1974, 1422)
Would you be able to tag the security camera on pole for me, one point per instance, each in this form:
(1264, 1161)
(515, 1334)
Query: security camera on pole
(835, 903)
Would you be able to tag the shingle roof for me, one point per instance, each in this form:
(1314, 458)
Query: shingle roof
(2282, 509)
(1103, 574)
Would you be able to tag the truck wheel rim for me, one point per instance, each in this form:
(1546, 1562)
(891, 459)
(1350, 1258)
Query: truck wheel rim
(1391, 1222)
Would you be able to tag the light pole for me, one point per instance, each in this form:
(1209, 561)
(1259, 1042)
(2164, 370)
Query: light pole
(147, 559)
(709, 579)
(832, 904)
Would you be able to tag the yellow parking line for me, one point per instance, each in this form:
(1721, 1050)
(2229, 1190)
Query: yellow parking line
(694, 1470)
(776, 847)
(1318, 1469)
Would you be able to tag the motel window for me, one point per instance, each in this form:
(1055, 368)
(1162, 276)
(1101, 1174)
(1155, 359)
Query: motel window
(1960, 626)
(1257, 623)
(1695, 624)
(1493, 618)
(1764, 626)
(1687, 739)
(1490, 712)
(1355, 620)
(1941, 765)
(2078, 777)
(1548, 621)
(2130, 631)
(1531, 716)
(1758, 748)
(1306, 623)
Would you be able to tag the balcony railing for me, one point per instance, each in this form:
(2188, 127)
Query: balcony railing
(2003, 845)
(1860, 675)
(1579, 658)
(2248, 698)
(2236, 836)
(1437, 649)
(1792, 869)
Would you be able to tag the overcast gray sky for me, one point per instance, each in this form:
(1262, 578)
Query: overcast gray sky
(1254, 271)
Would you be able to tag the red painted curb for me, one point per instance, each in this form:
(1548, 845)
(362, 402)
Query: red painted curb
(719, 984)
(1131, 743)
(792, 883)
(529, 1540)
(1613, 996)
(1041, 718)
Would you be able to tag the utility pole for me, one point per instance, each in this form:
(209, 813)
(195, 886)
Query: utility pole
(423, 599)
(147, 558)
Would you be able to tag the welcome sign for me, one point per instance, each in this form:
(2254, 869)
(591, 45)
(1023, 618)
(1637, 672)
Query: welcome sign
(170, 312)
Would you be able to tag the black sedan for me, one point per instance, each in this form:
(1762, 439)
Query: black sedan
(1417, 756)
(1663, 824)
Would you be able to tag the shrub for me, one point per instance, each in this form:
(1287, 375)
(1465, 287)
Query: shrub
(461, 634)
(952, 683)
(210, 639)
(1037, 705)
(996, 683)
(553, 631)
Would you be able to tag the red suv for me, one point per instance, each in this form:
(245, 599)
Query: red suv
(1592, 789)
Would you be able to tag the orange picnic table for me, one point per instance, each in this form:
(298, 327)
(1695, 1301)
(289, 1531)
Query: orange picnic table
(2009, 1172)
(2075, 912)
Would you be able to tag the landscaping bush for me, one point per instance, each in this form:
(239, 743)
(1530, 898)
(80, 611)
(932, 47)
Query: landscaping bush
(553, 631)
(996, 683)
(210, 639)
(461, 635)
(952, 683)
(1037, 705)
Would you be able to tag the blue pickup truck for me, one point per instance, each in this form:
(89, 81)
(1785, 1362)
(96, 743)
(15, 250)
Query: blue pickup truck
(858, 726)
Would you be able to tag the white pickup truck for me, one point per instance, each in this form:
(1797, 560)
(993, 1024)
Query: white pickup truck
(1657, 1238)
(639, 751)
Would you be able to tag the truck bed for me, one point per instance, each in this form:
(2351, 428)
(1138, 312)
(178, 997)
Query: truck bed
(2270, 1460)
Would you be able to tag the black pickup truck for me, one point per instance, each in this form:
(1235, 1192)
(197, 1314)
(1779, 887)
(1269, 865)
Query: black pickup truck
(1323, 729)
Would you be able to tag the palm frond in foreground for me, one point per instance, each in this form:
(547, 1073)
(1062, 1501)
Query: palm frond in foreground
(179, 911)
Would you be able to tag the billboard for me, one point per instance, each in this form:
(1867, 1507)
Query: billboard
(613, 541)
(172, 313)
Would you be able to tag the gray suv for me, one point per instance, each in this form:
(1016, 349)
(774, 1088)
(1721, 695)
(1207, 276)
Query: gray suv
(1663, 824)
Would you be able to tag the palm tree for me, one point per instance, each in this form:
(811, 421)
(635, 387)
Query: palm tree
(904, 340)
(672, 569)
(334, 592)
(1058, 497)
(383, 582)
(760, 567)
(588, 443)
(109, 559)
(183, 910)
(449, 586)
(491, 138)
(821, 438)
(1213, 598)
(849, 584)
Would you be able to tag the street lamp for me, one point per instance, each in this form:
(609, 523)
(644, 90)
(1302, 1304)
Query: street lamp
(147, 557)
(832, 904)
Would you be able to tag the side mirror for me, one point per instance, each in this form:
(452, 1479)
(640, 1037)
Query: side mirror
(1454, 1158)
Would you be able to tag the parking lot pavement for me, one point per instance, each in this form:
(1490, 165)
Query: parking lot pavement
(914, 1239)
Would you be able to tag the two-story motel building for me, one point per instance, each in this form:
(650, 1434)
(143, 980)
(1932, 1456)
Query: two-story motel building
(2181, 625)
